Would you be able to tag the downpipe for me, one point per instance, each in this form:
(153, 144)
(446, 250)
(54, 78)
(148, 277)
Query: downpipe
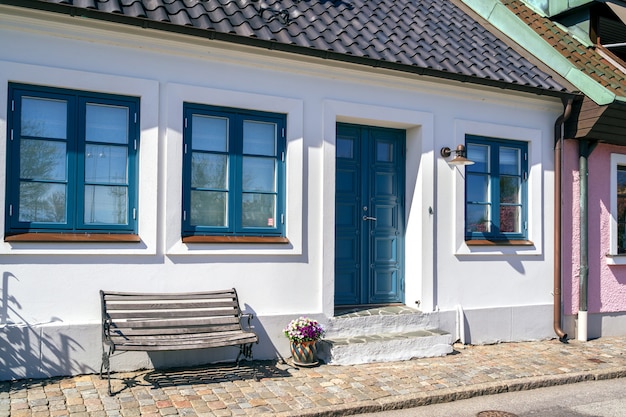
(558, 157)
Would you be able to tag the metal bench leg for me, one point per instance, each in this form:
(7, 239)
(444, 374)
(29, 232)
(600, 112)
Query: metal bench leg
(106, 364)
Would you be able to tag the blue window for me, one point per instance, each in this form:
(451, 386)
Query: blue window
(496, 189)
(71, 162)
(233, 172)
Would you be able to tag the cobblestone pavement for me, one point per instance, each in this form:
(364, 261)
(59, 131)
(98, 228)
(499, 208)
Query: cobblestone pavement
(283, 390)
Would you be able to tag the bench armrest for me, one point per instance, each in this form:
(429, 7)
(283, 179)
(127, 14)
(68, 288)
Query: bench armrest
(249, 316)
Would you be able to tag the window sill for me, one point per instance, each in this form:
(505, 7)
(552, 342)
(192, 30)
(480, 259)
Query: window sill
(499, 243)
(72, 237)
(615, 259)
(235, 239)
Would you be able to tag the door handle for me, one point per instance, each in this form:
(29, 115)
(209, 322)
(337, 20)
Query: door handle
(369, 218)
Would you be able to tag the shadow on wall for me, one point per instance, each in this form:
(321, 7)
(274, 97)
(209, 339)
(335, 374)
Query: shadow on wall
(26, 349)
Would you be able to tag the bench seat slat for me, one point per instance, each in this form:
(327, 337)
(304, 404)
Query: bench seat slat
(158, 323)
(178, 342)
(166, 304)
(135, 331)
(171, 313)
(116, 296)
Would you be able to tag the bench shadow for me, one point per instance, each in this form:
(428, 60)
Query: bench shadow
(202, 375)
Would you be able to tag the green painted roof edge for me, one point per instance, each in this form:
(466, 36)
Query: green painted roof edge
(508, 23)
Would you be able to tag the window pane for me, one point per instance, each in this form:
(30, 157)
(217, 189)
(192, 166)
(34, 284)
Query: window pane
(345, 148)
(42, 160)
(477, 218)
(510, 219)
(477, 188)
(42, 202)
(106, 164)
(258, 210)
(44, 118)
(480, 155)
(106, 123)
(208, 208)
(621, 238)
(259, 174)
(209, 133)
(106, 205)
(509, 161)
(510, 190)
(621, 209)
(259, 138)
(209, 171)
(384, 152)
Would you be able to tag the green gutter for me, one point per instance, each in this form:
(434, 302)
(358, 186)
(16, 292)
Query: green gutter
(508, 23)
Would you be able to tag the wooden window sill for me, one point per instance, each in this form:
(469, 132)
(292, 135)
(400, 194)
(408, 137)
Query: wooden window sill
(235, 239)
(72, 237)
(499, 243)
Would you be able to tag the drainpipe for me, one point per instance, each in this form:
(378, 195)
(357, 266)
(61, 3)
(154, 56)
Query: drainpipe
(584, 151)
(558, 139)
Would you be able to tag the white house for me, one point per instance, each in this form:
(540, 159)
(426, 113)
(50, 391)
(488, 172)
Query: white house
(288, 149)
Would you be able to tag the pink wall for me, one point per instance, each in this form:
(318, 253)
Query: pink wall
(607, 283)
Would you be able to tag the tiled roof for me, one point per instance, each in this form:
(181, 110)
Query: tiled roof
(433, 37)
(585, 58)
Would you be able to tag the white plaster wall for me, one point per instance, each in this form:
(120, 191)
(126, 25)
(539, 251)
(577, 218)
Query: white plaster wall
(53, 288)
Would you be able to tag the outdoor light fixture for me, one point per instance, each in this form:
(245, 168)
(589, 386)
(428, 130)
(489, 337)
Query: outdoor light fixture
(459, 158)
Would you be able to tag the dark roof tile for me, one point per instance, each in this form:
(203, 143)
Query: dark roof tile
(431, 34)
(586, 59)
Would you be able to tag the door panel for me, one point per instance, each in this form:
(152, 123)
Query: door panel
(369, 224)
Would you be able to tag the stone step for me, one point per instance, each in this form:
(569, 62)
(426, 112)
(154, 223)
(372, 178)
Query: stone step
(384, 347)
(374, 321)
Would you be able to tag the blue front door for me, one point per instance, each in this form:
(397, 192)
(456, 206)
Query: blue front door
(369, 215)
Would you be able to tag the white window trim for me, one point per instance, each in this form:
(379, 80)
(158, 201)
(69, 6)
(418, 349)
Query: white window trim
(177, 95)
(148, 92)
(613, 258)
(535, 196)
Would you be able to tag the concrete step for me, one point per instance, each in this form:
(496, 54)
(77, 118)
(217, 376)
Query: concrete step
(385, 347)
(382, 334)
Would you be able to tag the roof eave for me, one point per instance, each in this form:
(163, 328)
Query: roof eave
(70, 10)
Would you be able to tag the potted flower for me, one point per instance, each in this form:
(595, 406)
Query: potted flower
(303, 333)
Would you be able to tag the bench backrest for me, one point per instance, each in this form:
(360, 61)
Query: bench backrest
(143, 315)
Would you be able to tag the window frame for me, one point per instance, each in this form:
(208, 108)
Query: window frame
(494, 235)
(74, 227)
(234, 228)
(614, 255)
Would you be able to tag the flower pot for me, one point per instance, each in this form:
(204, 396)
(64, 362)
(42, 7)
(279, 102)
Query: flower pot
(304, 353)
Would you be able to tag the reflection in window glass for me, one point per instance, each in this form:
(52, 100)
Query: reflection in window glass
(209, 171)
(259, 138)
(258, 210)
(259, 174)
(42, 202)
(43, 160)
(208, 208)
(44, 118)
(106, 205)
(209, 133)
(106, 164)
(106, 123)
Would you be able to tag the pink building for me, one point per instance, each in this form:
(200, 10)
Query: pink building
(585, 42)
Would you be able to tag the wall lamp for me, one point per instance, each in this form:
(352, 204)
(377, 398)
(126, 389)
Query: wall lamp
(460, 154)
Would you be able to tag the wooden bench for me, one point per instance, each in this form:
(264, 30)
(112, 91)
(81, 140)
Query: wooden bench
(175, 321)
